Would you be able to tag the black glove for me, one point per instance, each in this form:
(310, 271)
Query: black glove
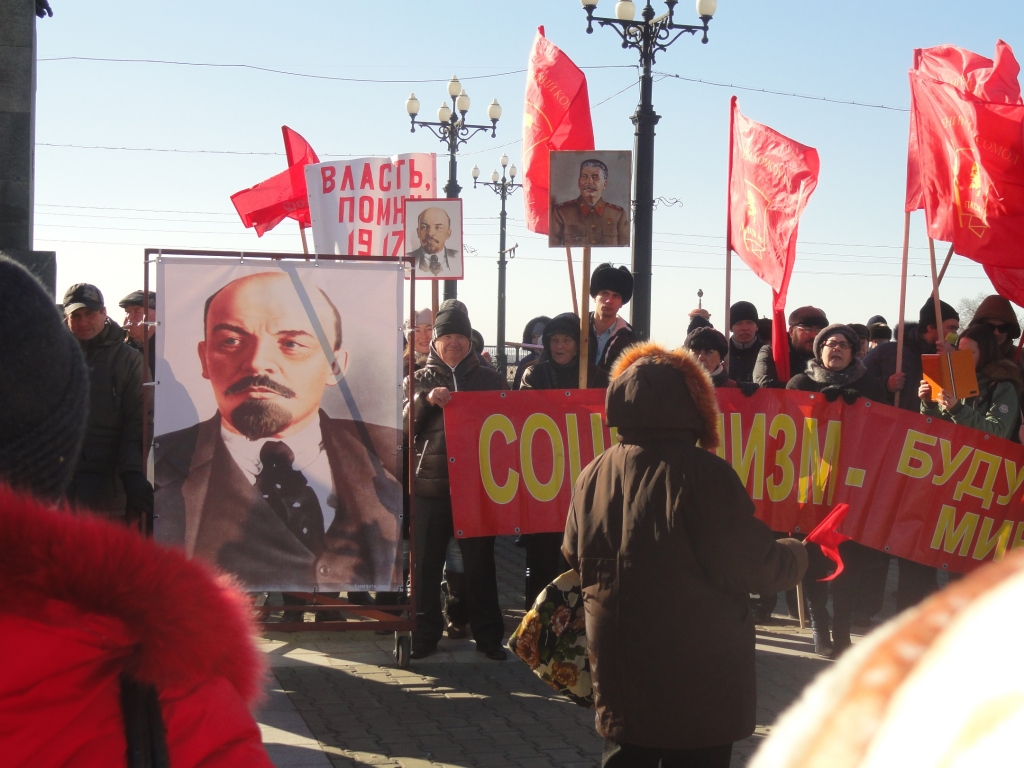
(748, 388)
(831, 394)
(139, 494)
(850, 396)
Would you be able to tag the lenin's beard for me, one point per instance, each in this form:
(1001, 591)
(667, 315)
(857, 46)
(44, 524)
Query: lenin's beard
(257, 418)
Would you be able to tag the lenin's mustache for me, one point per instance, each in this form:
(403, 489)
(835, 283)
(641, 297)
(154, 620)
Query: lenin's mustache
(264, 382)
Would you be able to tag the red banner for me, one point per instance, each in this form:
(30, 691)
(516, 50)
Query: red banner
(917, 487)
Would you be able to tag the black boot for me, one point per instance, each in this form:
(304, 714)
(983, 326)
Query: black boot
(822, 641)
(456, 615)
(840, 637)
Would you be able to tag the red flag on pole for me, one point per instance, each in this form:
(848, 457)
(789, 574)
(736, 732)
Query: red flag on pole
(282, 196)
(991, 81)
(556, 117)
(966, 156)
(771, 178)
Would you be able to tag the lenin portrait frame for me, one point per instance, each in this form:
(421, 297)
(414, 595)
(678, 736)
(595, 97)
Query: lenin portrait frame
(433, 237)
(590, 199)
(278, 419)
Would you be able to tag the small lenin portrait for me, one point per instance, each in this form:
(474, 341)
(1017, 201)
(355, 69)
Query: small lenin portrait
(589, 199)
(433, 236)
(271, 488)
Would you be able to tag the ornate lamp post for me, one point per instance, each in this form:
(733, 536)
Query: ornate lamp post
(503, 188)
(648, 37)
(452, 130)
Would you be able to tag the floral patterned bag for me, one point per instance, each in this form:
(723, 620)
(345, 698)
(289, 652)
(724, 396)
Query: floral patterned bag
(552, 639)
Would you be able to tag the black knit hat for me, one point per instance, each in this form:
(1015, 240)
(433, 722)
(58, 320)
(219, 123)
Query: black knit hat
(877, 320)
(44, 387)
(451, 319)
(609, 278)
(742, 310)
(707, 338)
(926, 316)
(478, 341)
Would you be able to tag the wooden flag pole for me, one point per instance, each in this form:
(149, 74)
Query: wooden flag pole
(945, 264)
(585, 319)
(433, 297)
(935, 294)
(572, 281)
(728, 288)
(800, 605)
(302, 232)
(900, 325)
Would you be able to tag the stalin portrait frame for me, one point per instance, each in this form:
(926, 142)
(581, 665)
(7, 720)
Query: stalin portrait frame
(589, 203)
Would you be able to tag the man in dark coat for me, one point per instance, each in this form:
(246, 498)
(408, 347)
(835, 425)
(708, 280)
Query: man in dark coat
(138, 310)
(664, 538)
(916, 581)
(744, 343)
(611, 289)
(109, 477)
(451, 366)
(804, 325)
(270, 488)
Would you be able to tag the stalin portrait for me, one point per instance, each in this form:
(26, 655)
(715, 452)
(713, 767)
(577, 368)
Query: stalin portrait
(590, 220)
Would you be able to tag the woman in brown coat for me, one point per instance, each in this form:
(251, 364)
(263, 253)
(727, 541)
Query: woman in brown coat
(665, 540)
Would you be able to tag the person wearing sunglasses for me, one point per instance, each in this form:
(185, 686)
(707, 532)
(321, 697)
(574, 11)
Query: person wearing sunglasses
(836, 372)
(997, 313)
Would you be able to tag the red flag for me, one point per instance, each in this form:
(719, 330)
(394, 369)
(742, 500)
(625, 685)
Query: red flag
(771, 178)
(967, 144)
(828, 538)
(556, 117)
(991, 81)
(282, 196)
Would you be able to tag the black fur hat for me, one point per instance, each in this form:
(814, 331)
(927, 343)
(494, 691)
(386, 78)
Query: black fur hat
(609, 278)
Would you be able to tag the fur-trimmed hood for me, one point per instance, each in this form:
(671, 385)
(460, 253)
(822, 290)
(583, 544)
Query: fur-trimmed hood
(829, 378)
(188, 622)
(655, 391)
(1005, 370)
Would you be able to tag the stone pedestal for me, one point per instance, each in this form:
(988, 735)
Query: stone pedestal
(17, 122)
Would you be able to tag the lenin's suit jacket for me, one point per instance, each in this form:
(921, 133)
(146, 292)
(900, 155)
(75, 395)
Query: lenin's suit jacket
(448, 264)
(206, 502)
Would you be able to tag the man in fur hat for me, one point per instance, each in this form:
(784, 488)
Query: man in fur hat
(611, 288)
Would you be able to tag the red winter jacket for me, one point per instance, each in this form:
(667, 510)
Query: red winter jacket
(82, 601)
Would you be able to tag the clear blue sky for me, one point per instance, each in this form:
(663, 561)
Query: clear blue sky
(98, 208)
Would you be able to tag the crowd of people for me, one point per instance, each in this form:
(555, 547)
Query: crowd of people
(848, 360)
(78, 435)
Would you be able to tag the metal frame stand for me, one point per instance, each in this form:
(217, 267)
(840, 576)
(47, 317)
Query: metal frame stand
(401, 619)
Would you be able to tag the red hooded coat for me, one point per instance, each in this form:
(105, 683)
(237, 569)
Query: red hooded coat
(83, 601)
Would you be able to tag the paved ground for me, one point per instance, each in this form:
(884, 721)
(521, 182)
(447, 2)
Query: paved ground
(338, 699)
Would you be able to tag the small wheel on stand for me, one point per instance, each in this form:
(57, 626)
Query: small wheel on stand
(403, 648)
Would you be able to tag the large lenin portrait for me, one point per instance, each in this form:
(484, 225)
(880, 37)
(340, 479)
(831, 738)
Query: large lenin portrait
(278, 419)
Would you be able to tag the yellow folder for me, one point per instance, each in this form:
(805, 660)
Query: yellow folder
(951, 371)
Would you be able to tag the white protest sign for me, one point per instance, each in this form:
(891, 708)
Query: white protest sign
(357, 207)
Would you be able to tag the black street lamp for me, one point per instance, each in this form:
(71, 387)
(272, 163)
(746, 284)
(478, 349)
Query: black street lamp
(649, 36)
(453, 130)
(503, 188)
